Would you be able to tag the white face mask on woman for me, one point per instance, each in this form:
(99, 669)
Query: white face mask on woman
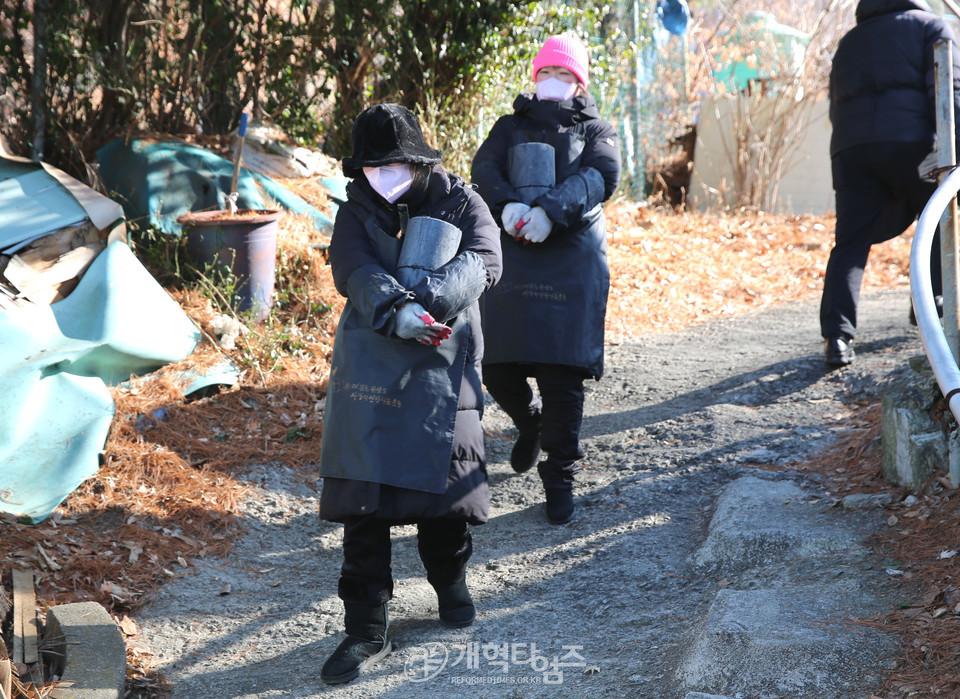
(390, 181)
(555, 90)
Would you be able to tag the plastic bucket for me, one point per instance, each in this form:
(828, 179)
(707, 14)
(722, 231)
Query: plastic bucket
(242, 243)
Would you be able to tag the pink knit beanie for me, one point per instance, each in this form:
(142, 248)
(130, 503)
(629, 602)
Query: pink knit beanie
(564, 51)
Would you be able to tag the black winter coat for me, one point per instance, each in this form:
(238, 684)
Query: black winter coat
(882, 80)
(402, 438)
(551, 303)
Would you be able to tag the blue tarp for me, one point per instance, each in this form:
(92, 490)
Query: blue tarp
(55, 364)
(156, 181)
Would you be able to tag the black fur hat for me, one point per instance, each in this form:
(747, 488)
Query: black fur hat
(384, 134)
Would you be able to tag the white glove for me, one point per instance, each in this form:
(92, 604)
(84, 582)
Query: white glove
(511, 215)
(536, 225)
(414, 323)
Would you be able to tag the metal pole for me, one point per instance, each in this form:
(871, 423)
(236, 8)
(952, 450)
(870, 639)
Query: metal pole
(38, 85)
(946, 159)
(639, 85)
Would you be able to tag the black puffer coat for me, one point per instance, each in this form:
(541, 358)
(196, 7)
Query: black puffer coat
(550, 305)
(402, 438)
(882, 81)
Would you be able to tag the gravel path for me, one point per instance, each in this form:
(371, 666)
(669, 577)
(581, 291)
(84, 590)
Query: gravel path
(602, 607)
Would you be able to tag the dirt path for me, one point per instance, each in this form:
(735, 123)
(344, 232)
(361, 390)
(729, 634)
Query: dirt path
(612, 600)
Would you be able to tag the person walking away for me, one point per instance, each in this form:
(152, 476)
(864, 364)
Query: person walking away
(402, 439)
(882, 149)
(545, 171)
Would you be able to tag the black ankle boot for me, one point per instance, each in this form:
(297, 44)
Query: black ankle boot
(526, 450)
(560, 507)
(456, 606)
(365, 644)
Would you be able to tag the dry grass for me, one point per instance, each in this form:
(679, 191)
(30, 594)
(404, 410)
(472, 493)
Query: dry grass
(170, 489)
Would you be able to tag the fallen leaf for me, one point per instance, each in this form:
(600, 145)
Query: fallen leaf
(52, 564)
(135, 550)
(128, 626)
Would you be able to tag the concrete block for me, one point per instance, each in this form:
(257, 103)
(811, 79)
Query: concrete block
(786, 642)
(91, 649)
(913, 445)
(758, 522)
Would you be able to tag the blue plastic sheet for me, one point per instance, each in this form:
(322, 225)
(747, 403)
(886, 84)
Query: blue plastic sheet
(55, 365)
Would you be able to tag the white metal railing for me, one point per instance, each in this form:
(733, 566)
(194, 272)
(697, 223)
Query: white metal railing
(941, 342)
(934, 339)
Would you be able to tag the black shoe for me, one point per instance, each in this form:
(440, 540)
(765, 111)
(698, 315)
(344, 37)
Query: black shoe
(560, 507)
(456, 606)
(526, 451)
(352, 656)
(365, 644)
(838, 351)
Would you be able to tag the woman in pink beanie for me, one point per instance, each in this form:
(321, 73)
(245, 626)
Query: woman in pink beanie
(545, 171)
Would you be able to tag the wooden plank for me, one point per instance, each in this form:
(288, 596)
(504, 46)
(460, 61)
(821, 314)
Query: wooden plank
(6, 679)
(24, 618)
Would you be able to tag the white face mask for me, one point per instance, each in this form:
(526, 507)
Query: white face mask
(390, 181)
(555, 90)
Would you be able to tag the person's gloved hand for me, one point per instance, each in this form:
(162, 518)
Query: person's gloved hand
(414, 323)
(536, 225)
(511, 215)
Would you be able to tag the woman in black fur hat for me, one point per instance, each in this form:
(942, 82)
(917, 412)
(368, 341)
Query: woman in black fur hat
(402, 440)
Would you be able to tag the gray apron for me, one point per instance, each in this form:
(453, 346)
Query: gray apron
(391, 403)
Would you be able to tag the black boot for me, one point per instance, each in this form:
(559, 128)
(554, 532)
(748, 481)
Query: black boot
(560, 507)
(526, 450)
(456, 606)
(365, 644)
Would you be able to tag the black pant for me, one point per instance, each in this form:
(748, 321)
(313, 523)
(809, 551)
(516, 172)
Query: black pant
(879, 194)
(559, 406)
(445, 546)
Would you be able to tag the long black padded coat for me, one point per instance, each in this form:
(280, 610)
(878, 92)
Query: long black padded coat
(882, 81)
(402, 438)
(551, 302)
